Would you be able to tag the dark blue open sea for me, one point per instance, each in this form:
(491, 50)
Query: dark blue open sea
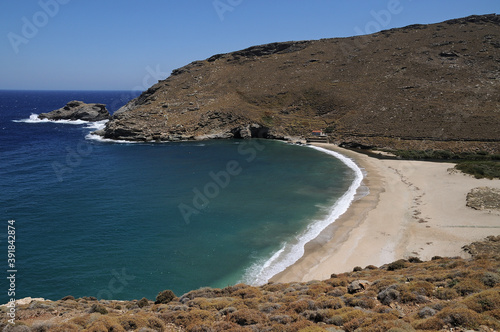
(125, 221)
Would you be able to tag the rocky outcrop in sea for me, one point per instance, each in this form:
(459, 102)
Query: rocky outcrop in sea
(78, 110)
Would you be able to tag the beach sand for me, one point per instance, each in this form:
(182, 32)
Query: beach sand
(414, 208)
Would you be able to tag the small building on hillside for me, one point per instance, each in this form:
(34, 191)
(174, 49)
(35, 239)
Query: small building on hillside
(318, 133)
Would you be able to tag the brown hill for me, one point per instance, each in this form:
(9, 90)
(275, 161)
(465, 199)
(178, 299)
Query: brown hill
(419, 87)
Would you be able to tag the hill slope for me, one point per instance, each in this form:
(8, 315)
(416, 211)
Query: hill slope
(445, 294)
(422, 86)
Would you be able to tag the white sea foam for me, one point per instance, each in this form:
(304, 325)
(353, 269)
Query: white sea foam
(260, 272)
(35, 119)
(99, 138)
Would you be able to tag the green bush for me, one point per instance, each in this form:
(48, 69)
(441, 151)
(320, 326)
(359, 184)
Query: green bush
(480, 169)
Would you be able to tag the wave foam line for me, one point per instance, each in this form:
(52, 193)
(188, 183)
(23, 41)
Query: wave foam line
(99, 138)
(290, 253)
(34, 118)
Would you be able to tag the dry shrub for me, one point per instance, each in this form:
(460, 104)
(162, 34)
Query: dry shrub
(397, 265)
(65, 327)
(97, 327)
(432, 323)
(82, 321)
(211, 303)
(493, 313)
(156, 324)
(406, 295)
(337, 282)
(446, 294)
(353, 324)
(302, 305)
(248, 292)
(426, 312)
(312, 329)
(245, 317)
(274, 287)
(299, 325)
(318, 316)
(337, 291)
(342, 316)
(360, 300)
(382, 284)
(389, 295)
(281, 319)
(269, 307)
(183, 318)
(165, 297)
(460, 317)
(143, 302)
(385, 323)
(226, 326)
(468, 286)
(326, 302)
(421, 288)
(96, 307)
(106, 323)
(132, 322)
(484, 301)
(490, 279)
(317, 289)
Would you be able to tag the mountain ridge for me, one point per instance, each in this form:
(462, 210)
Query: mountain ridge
(418, 87)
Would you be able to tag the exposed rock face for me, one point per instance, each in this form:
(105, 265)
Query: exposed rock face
(78, 110)
(419, 87)
(484, 198)
(358, 286)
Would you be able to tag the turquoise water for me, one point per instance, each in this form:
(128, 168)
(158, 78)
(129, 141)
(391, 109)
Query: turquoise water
(125, 221)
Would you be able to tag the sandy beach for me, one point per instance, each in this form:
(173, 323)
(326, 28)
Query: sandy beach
(414, 208)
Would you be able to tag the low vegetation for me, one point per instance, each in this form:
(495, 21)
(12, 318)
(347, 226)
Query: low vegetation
(481, 169)
(479, 164)
(444, 294)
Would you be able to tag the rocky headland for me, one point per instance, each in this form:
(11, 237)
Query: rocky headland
(78, 110)
(418, 87)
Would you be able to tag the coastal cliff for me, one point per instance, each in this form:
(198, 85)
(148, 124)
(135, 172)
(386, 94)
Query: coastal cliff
(418, 87)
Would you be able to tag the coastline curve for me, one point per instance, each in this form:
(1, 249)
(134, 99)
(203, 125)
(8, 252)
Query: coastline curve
(261, 272)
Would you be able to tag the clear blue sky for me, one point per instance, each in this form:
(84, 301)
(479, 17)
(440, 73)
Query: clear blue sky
(129, 44)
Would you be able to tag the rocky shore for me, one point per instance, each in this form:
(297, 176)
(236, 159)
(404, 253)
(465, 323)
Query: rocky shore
(78, 110)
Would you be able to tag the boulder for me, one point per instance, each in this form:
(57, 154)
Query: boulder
(78, 110)
(358, 286)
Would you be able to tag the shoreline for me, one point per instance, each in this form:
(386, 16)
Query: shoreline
(413, 208)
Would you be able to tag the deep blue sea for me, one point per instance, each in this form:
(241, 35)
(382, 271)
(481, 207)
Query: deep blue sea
(127, 220)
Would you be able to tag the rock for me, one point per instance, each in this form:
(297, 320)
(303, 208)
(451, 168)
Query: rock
(484, 198)
(358, 286)
(78, 110)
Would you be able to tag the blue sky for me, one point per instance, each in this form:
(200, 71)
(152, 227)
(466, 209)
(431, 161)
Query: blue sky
(130, 44)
